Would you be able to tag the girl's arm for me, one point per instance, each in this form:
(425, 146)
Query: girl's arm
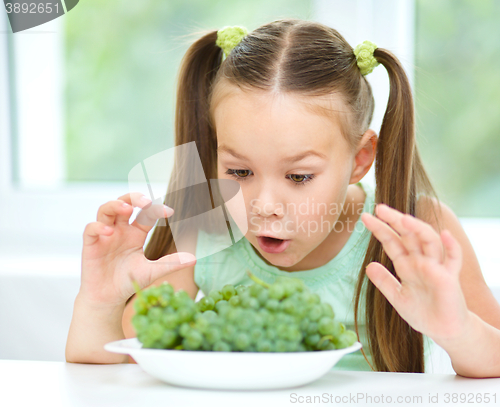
(113, 257)
(92, 326)
(442, 294)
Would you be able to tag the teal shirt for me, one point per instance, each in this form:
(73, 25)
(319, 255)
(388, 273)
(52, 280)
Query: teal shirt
(334, 282)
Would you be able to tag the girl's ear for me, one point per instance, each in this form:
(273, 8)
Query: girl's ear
(365, 156)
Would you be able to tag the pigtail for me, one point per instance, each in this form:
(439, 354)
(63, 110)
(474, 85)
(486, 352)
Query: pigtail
(400, 179)
(198, 69)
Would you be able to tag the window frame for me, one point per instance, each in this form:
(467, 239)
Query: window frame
(32, 214)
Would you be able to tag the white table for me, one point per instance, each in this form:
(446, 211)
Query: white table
(30, 383)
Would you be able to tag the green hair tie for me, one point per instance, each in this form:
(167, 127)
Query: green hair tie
(364, 57)
(229, 37)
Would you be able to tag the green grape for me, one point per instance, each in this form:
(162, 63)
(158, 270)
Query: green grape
(155, 331)
(265, 315)
(241, 340)
(186, 313)
(257, 320)
(235, 301)
(263, 296)
(215, 295)
(312, 328)
(281, 330)
(326, 326)
(228, 291)
(291, 346)
(202, 324)
(228, 332)
(326, 345)
(219, 305)
(169, 338)
(180, 299)
(140, 322)
(256, 289)
(241, 289)
(327, 310)
(289, 306)
(304, 324)
(140, 306)
(213, 335)
(271, 333)
(206, 303)
(346, 339)
(209, 315)
(264, 345)
(166, 288)
(293, 333)
(193, 340)
(256, 334)
(276, 291)
(221, 346)
(313, 339)
(234, 314)
(315, 313)
(184, 329)
(205, 345)
(280, 345)
(337, 328)
(290, 289)
(156, 345)
(249, 302)
(272, 305)
(280, 317)
(170, 321)
(244, 324)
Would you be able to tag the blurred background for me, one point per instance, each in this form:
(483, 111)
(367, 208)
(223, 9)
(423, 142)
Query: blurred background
(87, 96)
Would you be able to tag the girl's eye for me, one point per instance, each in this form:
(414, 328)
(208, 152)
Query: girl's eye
(239, 174)
(297, 179)
(301, 178)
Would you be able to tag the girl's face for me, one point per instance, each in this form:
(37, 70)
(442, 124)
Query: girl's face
(293, 167)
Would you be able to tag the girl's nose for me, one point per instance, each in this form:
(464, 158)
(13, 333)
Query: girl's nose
(266, 208)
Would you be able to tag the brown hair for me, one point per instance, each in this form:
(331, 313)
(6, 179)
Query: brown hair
(311, 60)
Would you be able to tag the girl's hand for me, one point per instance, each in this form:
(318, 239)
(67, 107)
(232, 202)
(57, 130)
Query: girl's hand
(429, 296)
(113, 256)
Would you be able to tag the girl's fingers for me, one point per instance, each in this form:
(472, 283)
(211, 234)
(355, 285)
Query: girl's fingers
(93, 231)
(135, 199)
(382, 278)
(395, 219)
(390, 240)
(429, 239)
(114, 212)
(148, 216)
(170, 263)
(453, 255)
(150, 213)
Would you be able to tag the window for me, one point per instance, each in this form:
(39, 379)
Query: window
(88, 96)
(457, 100)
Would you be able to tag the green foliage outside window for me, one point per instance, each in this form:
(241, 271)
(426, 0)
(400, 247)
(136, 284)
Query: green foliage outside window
(121, 62)
(457, 81)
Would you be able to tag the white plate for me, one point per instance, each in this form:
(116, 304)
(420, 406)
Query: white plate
(231, 370)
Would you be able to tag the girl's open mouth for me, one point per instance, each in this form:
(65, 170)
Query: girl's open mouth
(271, 245)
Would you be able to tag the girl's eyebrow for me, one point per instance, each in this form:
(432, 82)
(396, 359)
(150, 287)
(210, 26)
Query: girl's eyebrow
(287, 160)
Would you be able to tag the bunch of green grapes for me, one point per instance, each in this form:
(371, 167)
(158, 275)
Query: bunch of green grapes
(280, 317)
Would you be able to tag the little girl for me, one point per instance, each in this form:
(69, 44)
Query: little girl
(285, 111)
